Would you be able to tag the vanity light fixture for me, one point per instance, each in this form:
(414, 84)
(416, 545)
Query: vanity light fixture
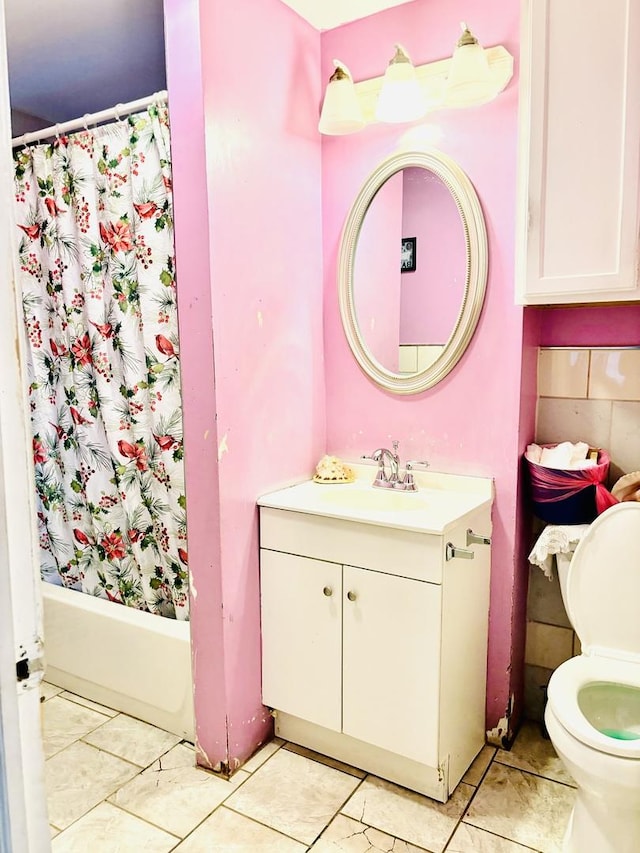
(341, 112)
(473, 75)
(401, 98)
(469, 81)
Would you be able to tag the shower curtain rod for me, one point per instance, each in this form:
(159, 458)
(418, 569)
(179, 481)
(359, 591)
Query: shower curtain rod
(118, 112)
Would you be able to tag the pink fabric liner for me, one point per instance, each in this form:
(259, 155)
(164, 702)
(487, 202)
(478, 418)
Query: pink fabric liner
(552, 484)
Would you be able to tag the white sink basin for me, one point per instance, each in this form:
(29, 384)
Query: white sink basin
(441, 500)
(380, 500)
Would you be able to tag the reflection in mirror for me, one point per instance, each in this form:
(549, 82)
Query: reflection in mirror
(412, 270)
(406, 316)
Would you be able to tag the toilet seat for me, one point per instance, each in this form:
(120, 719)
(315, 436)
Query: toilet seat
(563, 691)
(603, 585)
(603, 596)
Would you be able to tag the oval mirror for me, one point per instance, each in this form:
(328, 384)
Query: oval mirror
(412, 270)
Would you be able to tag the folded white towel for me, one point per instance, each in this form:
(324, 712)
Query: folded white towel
(556, 539)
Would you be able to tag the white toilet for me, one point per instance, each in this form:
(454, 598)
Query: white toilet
(593, 707)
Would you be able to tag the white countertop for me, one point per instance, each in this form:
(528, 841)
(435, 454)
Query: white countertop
(441, 500)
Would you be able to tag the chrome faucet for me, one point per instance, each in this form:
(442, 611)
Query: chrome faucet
(390, 479)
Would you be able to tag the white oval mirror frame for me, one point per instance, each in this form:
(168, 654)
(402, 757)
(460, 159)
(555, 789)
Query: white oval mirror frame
(475, 237)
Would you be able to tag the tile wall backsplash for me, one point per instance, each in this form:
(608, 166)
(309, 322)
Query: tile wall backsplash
(417, 357)
(594, 396)
(590, 395)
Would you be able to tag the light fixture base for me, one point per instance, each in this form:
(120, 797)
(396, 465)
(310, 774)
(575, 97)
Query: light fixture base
(432, 77)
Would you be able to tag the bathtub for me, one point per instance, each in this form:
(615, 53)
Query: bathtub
(123, 658)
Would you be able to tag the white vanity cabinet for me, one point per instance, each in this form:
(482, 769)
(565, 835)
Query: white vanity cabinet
(579, 156)
(374, 643)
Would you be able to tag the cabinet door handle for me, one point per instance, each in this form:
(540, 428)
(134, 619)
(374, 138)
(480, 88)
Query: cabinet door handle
(463, 553)
(328, 591)
(477, 538)
(351, 596)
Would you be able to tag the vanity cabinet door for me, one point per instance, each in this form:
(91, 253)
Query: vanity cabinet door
(391, 662)
(301, 637)
(579, 133)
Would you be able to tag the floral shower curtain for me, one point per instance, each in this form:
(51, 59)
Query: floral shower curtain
(97, 274)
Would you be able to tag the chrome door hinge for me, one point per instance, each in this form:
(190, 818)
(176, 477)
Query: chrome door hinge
(477, 538)
(451, 552)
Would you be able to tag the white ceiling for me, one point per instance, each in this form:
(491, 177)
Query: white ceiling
(326, 14)
(71, 57)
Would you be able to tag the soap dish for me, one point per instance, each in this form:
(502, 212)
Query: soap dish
(330, 469)
(351, 478)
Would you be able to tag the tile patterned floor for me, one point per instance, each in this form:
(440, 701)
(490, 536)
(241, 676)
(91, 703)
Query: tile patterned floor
(116, 785)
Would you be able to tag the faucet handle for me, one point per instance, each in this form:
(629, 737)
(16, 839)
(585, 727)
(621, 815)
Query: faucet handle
(408, 483)
(413, 462)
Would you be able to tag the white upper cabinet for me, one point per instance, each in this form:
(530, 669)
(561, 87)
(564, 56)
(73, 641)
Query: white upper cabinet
(579, 158)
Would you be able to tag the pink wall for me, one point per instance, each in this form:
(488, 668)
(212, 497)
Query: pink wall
(247, 184)
(469, 423)
(432, 295)
(376, 274)
(590, 325)
(193, 279)
(263, 182)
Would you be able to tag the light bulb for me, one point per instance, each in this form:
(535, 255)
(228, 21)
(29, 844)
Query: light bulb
(401, 97)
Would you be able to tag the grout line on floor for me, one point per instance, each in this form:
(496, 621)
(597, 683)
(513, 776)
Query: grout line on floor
(538, 775)
(208, 815)
(125, 811)
(260, 823)
(476, 788)
(72, 697)
(141, 767)
(325, 760)
(494, 835)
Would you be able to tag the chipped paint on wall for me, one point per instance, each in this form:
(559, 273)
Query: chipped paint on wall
(223, 447)
(502, 734)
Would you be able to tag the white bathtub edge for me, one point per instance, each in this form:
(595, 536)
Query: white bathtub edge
(123, 658)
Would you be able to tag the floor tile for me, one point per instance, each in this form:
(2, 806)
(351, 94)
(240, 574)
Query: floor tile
(325, 759)
(351, 836)
(535, 754)
(106, 829)
(65, 722)
(226, 831)
(470, 839)
(407, 815)
(294, 795)
(482, 760)
(132, 739)
(262, 754)
(48, 691)
(87, 703)
(174, 794)
(80, 777)
(522, 807)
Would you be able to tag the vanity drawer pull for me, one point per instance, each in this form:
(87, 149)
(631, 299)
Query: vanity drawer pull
(328, 591)
(463, 553)
(351, 596)
(477, 538)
